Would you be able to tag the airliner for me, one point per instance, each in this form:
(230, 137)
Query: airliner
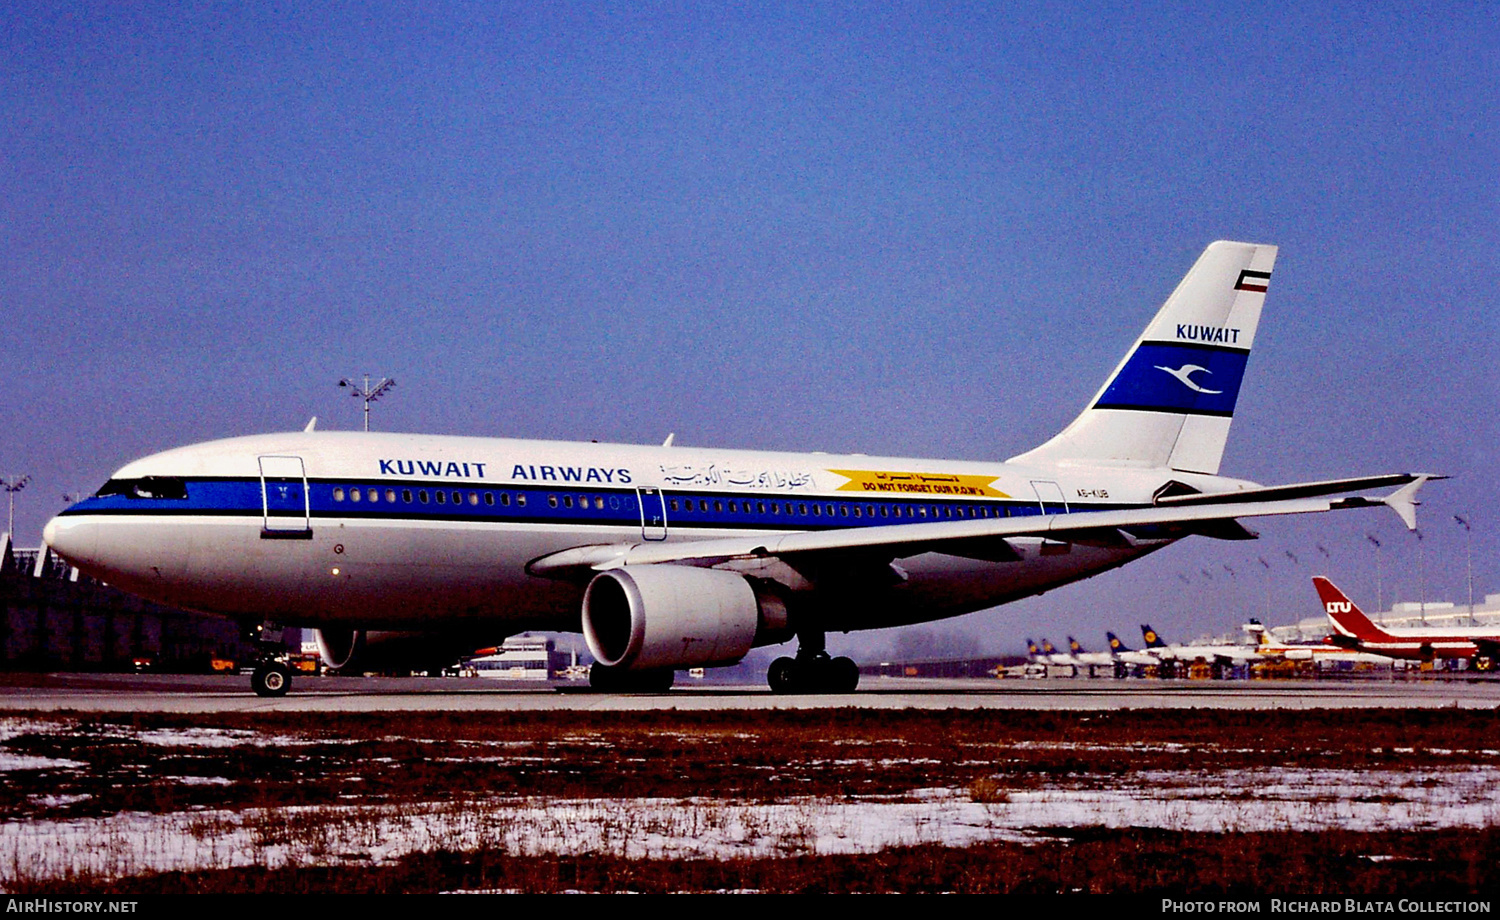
(409, 548)
(1357, 632)
(1272, 649)
(1219, 655)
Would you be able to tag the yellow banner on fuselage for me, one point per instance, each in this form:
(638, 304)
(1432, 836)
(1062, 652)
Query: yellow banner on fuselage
(954, 484)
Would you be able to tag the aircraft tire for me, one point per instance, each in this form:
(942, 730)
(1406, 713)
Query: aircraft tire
(842, 675)
(271, 680)
(782, 675)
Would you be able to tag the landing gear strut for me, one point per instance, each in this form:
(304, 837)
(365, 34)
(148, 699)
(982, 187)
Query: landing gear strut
(813, 670)
(271, 677)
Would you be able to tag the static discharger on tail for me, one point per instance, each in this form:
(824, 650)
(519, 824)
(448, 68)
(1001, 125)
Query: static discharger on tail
(407, 550)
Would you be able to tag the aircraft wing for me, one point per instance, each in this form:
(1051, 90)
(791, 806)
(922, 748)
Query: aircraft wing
(988, 535)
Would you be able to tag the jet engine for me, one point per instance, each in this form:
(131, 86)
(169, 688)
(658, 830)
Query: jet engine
(671, 616)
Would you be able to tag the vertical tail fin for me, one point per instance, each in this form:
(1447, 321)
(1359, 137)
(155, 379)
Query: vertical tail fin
(1152, 639)
(1347, 618)
(1115, 645)
(1169, 402)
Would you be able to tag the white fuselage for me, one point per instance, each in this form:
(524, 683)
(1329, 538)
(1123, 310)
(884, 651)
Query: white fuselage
(443, 528)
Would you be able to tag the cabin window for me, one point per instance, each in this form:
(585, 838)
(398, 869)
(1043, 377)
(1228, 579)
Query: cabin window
(374, 495)
(703, 505)
(598, 502)
(489, 498)
(473, 498)
(552, 501)
(442, 497)
(802, 508)
(817, 510)
(567, 501)
(520, 499)
(673, 504)
(338, 495)
(390, 495)
(406, 495)
(718, 505)
(458, 498)
(422, 496)
(355, 495)
(505, 499)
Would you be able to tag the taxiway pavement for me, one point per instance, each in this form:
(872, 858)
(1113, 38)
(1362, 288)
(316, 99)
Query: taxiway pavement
(226, 693)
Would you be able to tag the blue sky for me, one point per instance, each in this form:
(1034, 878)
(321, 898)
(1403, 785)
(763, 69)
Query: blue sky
(914, 230)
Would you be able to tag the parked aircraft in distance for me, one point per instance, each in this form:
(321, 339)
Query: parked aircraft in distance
(668, 558)
(1273, 649)
(1127, 656)
(1218, 655)
(1355, 631)
(1083, 658)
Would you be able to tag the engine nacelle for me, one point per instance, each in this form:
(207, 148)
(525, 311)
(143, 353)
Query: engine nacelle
(673, 616)
(356, 651)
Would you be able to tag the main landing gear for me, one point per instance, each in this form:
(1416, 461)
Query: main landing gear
(272, 676)
(813, 670)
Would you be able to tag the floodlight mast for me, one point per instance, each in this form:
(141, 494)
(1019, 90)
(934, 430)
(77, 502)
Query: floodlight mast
(367, 393)
(12, 485)
(1469, 554)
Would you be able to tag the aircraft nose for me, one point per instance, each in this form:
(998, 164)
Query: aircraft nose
(74, 540)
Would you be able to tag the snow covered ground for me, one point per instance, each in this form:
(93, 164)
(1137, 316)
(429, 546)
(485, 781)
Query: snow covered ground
(1253, 800)
(1212, 799)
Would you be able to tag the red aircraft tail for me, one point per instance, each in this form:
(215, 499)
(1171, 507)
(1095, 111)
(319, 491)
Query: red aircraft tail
(1347, 618)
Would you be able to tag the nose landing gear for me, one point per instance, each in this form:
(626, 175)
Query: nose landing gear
(272, 676)
(271, 679)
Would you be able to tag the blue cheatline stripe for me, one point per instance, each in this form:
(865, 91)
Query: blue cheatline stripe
(538, 505)
(1162, 376)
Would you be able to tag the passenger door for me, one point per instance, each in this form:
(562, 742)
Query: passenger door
(285, 506)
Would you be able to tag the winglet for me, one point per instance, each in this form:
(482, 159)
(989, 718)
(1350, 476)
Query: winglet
(1404, 502)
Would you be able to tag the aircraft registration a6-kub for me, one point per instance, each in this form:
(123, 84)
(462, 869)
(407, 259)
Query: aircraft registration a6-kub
(413, 547)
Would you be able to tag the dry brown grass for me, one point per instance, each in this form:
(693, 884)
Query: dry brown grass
(384, 763)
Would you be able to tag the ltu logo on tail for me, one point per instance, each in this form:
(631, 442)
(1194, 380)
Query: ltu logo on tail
(1185, 374)
(1338, 607)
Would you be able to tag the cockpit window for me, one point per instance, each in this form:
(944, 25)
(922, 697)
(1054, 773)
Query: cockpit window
(146, 487)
